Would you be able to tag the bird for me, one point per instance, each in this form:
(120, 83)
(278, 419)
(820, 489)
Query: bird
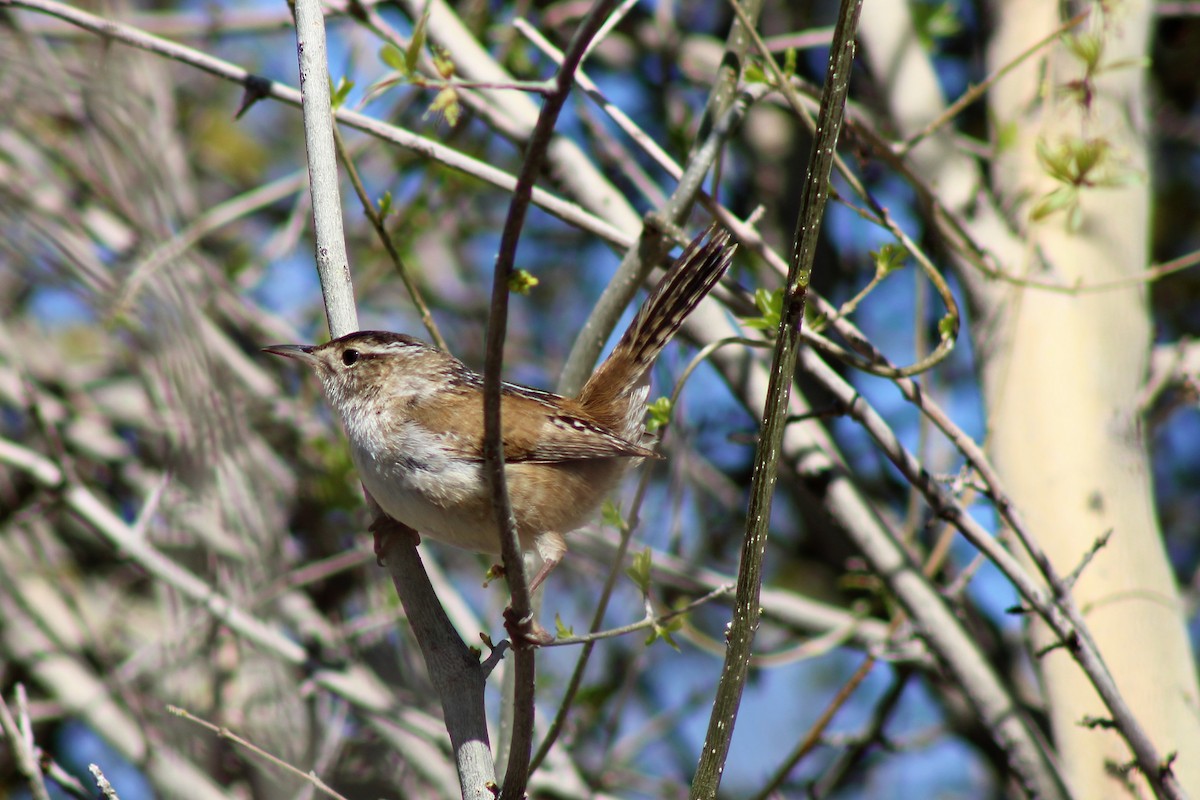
(413, 416)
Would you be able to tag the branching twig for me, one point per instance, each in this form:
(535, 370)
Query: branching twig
(812, 208)
(20, 740)
(225, 733)
(425, 147)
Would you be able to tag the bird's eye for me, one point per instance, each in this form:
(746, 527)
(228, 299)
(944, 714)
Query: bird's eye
(350, 357)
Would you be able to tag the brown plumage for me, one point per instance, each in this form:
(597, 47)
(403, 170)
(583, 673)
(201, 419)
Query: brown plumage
(414, 417)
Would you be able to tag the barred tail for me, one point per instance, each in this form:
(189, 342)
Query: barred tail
(690, 278)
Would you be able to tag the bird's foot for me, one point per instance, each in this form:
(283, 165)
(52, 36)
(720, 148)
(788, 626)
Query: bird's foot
(383, 527)
(525, 631)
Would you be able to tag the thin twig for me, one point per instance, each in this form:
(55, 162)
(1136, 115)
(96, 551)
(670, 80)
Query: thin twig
(872, 733)
(817, 730)
(106, 789)
(225, 733)
(980, 89)
(747, 610)
(20, 738)
(882, 217)
(213, 219)
(516, 775)
(385, 238)
(648, 622)
(589, 87)
(333, 263)
(638, 262)
(569, 212)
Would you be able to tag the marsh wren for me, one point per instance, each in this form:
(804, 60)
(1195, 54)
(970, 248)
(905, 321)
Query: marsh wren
(414, 418)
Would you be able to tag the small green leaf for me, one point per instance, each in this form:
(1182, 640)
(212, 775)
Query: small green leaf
(664, 630)
(1087, 47)
(1061, 198)
(1079, 164)
(339, 92)
(412, 56)
(789, 62)
(1088, 155)
(948, 327)
(521, 281)
(1057, 161)
(561, 630)
(769, 303)
(610, 515)
(658, 414)
(494, 573)
(934, 21)
(770, 307)
(753, 73)
(385, 204)
(889, 258)
(392, 56)
(639, 570)
(1140, 63)
(1075, 218)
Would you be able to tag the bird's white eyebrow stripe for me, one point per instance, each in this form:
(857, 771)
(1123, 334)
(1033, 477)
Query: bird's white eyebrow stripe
(475, 380)
(399, 345)
(540, 395)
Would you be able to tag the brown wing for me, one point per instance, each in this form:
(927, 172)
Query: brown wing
(567, 438)
(545, 428)
(538, 427)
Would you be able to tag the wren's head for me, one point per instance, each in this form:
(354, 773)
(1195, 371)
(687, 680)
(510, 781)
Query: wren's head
(360, 367)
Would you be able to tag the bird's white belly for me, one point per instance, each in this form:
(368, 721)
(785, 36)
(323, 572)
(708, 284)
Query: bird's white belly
(419, 484)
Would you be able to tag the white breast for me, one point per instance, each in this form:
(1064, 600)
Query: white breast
(417, 483)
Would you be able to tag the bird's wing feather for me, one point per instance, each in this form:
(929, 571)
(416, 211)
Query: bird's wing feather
(538, 427)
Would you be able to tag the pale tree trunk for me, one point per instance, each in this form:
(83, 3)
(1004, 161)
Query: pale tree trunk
(1062, 375)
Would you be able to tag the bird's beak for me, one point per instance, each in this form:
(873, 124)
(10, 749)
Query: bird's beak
(300, 352)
